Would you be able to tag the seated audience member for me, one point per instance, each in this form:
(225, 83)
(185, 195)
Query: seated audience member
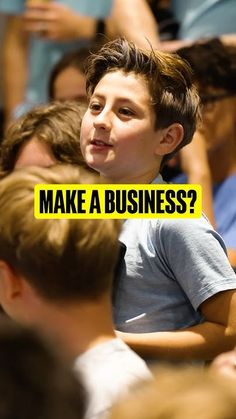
(214, 67)
(67, 79)
(181, 394)
(35, 381)
(44, 136)
(175, 292)
(56, 276)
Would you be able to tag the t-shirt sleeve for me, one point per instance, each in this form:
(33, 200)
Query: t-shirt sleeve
(12, 7)
(98, 9)
(195, 256)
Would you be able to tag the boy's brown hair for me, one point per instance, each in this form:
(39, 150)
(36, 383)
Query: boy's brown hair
(56, 124)
(169, 80)
(62, 259)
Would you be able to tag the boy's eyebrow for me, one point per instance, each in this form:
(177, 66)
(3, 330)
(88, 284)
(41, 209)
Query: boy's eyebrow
(118, 99)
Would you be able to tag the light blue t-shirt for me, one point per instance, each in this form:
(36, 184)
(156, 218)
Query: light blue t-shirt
(204, 18)
(44, 54)
(169, 268)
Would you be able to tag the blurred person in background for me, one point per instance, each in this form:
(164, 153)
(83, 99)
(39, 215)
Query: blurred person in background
(190, 20)
(35, 380)
(204, 18)
(181, 393)
(44, 136)
(212, 155)
(67, 79)
(39, 32)
(2, 30)
(56, 276)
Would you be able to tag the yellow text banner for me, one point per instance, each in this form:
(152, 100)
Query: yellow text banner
(117, 201)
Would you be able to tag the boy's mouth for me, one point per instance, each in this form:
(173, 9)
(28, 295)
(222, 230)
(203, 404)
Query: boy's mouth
(100, 143)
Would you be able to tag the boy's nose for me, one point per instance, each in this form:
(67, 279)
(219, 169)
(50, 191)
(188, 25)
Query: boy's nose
(102, 121)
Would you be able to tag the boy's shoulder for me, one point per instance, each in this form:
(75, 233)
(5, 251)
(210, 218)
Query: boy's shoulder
(172, 225)
(183, 224)
(164, 234)
(187, 231)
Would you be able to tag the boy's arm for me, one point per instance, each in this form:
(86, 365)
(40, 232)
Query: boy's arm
(229, 38)
(15, 49)
(194, 162)
(57, 22)
(61, 23)
(232, 257)
(204, 341)
(141, 28)
(173, 46)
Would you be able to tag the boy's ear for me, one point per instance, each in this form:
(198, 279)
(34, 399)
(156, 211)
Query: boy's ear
(171, 137)
(10, 284)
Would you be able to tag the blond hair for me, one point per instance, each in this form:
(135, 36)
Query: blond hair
(62, 259)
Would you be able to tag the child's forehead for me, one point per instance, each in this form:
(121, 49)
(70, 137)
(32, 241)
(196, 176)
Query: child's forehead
(123, 78)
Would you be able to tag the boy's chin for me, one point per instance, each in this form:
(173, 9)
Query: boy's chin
(92, 165)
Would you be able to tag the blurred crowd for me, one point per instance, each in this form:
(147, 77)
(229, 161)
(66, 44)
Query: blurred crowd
(118, 320)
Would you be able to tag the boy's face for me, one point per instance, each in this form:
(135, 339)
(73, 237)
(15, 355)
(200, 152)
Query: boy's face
(118, 138)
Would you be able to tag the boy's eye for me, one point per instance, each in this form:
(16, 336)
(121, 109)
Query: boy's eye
(95, 106)
(126, 112)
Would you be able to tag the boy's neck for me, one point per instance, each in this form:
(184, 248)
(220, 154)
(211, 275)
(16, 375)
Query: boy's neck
(143, 178)
(76, 327)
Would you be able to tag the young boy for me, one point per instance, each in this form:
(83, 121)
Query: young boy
(175, 295)
(56, 276)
